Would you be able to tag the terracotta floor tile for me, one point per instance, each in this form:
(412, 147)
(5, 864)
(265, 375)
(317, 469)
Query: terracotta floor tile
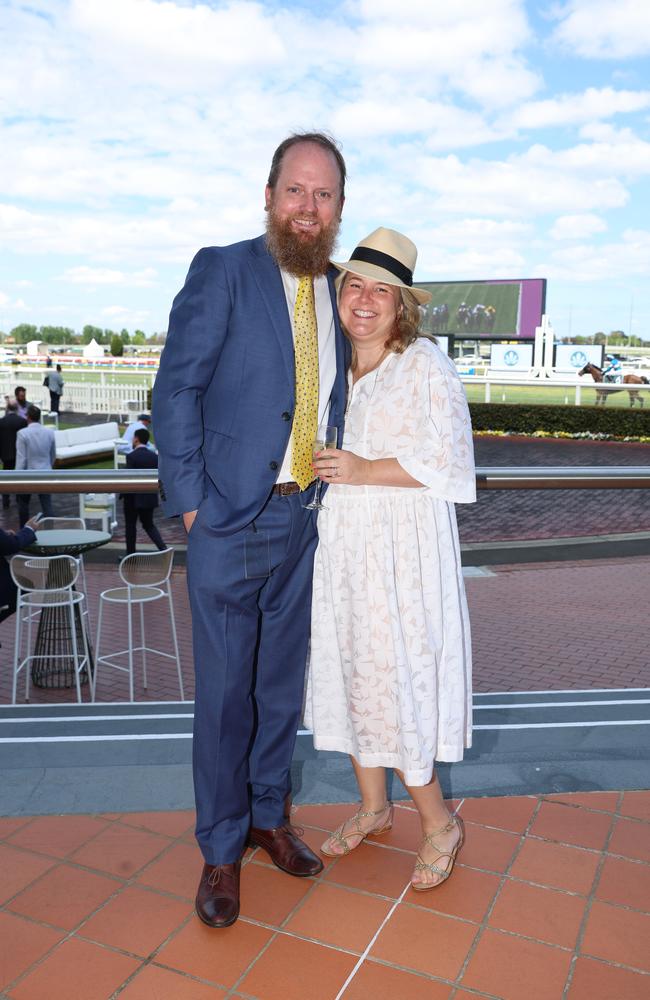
(373, 869)
(626, 883)
(170, 824)
(64, 896)
(18, 869)
(631, 839)
(556, 865)
(591, 800)
(269, 895)
(22, 944)
(426, 942)
(120, 850)
(9, 824)
(544, 914)
(325, 817)
(506, 813)
(466, 894)
(291, 969)
(57, 835)
(380, 982)
(178, 871)
(154, 983)
(490, 850)
(339, 917)
(636, 804)
(76, 970)
(512, 968)
(137, 920)
(220, 956)
(597, 981)
(406, 832)
(618, 935)
(571, 825)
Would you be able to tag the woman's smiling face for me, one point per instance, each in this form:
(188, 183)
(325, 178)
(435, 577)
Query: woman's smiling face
(368, 309)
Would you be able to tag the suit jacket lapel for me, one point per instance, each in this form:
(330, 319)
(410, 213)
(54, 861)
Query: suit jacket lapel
(269, 281)
(339, 390)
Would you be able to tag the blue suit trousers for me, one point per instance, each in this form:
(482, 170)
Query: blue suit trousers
(251, 635)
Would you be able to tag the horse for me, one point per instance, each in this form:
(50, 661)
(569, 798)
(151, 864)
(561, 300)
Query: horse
(601, 394)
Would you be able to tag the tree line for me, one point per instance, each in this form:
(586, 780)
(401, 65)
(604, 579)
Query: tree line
(55, 335)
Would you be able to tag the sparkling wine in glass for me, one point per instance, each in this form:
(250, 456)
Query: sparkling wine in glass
(326, 437)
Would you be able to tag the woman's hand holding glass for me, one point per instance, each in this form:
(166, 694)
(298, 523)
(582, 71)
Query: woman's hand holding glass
(334, 465)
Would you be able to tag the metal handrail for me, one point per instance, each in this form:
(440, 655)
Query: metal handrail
(546, 477)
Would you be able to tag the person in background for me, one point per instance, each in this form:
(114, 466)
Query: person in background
(10, 424)
(35, 449)
(613, 371)
(12, 542)
(55, 385)
(141, 505)
(22, 401)
(142, 423)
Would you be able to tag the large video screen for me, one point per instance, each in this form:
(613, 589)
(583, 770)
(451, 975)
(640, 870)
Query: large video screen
(476, 309)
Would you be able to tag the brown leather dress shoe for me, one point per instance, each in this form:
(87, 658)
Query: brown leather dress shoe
(287, 850)
(217, 898)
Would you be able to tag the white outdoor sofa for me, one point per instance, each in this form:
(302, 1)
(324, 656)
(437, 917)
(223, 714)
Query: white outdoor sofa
(93, 441)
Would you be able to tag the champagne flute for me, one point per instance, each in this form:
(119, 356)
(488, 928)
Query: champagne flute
(326, 437)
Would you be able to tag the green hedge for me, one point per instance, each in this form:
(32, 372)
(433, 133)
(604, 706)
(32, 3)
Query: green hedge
(518, 419)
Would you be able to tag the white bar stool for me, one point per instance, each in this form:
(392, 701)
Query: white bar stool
(146, 575)
(45, 584)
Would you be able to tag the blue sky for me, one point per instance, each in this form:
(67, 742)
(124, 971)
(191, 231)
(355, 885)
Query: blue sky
(507, 138)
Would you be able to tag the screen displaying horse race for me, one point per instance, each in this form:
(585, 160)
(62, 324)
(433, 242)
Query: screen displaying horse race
(477, 309)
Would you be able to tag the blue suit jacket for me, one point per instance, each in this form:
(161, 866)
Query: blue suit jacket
(224, 395)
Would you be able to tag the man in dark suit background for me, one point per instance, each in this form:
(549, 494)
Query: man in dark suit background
(141, 505)
(10, 424)
(253, 363)
(12, 542)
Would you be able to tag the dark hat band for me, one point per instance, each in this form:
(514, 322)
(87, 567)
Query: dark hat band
(369, 256)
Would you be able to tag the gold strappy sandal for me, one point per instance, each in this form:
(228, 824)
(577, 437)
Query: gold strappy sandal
(450, 855)
(338, 837)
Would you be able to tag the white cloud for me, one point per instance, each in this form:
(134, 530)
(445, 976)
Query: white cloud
(7, 304)
(609, 262)
(84, 275)
(605, 29)
(570, 109)
(577, 227)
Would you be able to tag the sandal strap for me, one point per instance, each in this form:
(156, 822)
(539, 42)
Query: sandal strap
(421, 865)
(341, 838)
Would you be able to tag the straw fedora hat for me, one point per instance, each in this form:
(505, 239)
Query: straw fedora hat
(387, 256)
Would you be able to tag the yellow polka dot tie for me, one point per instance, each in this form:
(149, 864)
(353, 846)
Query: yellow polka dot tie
(305, 418)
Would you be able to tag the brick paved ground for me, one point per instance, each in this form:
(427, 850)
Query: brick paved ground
(550, 899)
(534, 627)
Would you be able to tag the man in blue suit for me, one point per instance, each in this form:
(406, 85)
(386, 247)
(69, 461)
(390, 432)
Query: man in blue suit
(229, 408)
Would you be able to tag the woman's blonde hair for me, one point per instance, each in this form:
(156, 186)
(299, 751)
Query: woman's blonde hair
(407, 324)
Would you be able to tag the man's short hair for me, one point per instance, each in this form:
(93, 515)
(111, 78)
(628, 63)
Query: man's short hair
(144, 416)
(142, 435)
(320, 139)
(12, 404)
(19, 388)
(33, 413)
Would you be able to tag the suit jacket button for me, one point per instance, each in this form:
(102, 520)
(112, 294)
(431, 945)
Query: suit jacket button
(273, 466)
(286, 415)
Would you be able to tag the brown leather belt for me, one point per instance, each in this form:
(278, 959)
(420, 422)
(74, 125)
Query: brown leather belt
(287, 489)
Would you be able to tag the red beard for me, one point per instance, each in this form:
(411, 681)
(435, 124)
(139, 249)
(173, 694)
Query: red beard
(298, 254)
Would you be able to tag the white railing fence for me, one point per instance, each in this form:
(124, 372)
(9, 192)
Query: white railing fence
(82, 397)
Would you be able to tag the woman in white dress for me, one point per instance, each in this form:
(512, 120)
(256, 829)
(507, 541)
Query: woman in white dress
(390, 674)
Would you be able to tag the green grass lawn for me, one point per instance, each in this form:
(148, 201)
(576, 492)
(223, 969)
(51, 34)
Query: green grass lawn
(532, 396)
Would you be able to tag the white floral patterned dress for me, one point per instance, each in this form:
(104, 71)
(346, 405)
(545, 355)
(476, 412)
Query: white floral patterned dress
(390, 674)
